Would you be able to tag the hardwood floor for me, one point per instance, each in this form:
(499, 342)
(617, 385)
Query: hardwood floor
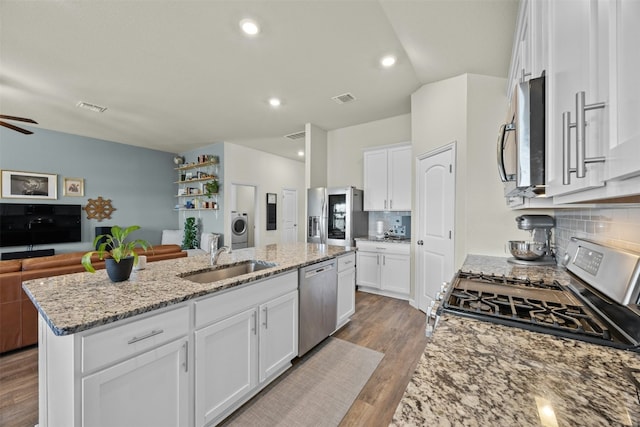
(19, 388)
(383, 324)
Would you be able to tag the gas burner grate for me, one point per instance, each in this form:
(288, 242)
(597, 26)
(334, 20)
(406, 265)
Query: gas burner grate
(504, 280)
(548, 314)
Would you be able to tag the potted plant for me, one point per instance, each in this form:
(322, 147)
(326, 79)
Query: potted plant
(211, 187)
(119, 255)
(190, 239)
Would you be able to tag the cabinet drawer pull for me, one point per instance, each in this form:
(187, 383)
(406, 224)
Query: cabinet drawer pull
(348, 262)
(581, 124)
(144, 337)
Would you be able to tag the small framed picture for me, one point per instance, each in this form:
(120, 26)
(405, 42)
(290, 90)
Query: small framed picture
(74, 187)
(29, 185)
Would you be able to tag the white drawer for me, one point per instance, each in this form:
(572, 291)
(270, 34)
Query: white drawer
(226, 303)
(383, 247)
(346, 262)
(120, 342)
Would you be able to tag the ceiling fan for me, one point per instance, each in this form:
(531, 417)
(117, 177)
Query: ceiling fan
(16, 128)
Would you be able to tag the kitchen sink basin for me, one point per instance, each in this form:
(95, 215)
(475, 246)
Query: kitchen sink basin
(221, 272)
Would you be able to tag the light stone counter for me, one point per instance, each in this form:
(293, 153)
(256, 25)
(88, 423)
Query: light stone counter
(476, 373)
(76, 302)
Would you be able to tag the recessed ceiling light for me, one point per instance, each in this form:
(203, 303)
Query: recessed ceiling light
(388, 61)
(249, 27)
(275, 102)
(301, 153)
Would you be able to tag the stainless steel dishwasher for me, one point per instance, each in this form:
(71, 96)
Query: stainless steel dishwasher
(318, 292)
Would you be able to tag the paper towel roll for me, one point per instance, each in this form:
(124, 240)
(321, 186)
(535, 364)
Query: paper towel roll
(379, 228)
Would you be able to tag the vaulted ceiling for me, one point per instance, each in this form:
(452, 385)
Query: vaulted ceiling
(178, 75)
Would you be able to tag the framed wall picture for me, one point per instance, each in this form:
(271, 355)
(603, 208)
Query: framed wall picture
(29, 185)
(271, 211)
(73, 187)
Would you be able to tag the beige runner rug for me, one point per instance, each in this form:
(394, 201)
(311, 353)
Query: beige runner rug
(317, 391)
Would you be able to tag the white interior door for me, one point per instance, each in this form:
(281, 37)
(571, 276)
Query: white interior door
(289, 215)
(435, 175)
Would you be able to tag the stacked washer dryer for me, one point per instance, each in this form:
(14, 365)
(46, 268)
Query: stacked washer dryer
(239, 230)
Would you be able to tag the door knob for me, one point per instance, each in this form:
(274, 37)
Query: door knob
(420, 242)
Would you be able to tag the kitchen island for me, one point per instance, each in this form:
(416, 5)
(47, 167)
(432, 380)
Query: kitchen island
(163, 350)
(476, 373)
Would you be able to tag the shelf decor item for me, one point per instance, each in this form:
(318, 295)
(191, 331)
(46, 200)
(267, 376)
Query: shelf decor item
(119, 255)
(190, 240)
(212, 187)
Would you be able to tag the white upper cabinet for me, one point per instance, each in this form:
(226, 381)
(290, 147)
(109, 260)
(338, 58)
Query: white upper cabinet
(593, 100)
(624, 145)
(578, 96)
(387, 179)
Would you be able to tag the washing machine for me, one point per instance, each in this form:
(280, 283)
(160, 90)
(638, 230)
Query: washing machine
(239, 230)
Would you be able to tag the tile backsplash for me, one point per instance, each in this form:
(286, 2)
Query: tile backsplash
(618, 227)
(389, 219)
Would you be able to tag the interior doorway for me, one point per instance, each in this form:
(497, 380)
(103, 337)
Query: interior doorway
(289, 215)
(434, 255)
(243, 203)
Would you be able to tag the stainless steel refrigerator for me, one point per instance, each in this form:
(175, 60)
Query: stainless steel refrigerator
(335, 216)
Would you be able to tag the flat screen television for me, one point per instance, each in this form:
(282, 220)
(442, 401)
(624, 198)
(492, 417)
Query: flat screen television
(38, 224)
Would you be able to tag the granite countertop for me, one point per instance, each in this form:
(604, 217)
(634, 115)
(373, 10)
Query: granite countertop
(476, 373)
(384, 239)
(76, 302)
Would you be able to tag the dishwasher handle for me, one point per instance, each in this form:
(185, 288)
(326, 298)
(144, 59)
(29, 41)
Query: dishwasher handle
(317, 271)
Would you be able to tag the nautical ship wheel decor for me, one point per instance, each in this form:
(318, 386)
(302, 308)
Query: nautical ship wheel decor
(99, 209)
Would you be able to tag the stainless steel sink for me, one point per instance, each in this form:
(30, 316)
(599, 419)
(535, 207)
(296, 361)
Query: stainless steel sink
(221, 272)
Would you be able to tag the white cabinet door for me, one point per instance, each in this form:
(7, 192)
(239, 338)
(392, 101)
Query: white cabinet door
(399, 178)
(368, 269)
(624, 146)
(346, 295)
(375, 180)
(147, 390)
(278, 334)
(225, 364)
(578, 63)
(395, 273)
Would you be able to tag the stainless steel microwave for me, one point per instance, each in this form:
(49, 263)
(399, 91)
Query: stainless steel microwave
(521, 142)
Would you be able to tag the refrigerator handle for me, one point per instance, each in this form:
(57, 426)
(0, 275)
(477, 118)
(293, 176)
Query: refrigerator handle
(323, 223)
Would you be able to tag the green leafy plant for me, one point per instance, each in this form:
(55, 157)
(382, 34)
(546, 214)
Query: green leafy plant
(211, 188)
(115, 246)
(190, 240)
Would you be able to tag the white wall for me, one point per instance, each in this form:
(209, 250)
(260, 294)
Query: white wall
(316, 156)
(270, 174)
(345, 145)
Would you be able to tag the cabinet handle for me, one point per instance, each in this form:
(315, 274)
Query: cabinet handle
(384, 260)
(255, 323)
(385, 203)
(566, 148)
(390, 204)
(581, 125)
(186, 356)
(347, 262)
(266, 318)
(144, 337)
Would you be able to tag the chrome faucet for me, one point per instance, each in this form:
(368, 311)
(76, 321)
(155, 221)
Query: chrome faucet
(215, 255)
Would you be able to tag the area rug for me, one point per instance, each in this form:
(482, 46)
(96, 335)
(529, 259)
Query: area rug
(316, 391)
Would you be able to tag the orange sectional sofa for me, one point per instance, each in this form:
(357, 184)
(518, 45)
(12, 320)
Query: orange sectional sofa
(18, 316)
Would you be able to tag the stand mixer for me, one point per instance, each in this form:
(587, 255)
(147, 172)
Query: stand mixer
(537, 251)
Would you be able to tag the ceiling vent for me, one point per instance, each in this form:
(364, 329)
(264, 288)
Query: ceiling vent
(344, 98)
(296, 135)
(93, 107)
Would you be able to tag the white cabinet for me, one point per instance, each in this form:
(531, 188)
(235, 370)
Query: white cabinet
(149, 389)
(225, 364)
(346, 288)
(578, 95)
(384, 268)
(624, 144)
(278, 334)
(387, 179)
(243, 340)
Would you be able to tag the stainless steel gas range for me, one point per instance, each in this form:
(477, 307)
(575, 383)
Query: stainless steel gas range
(598, 304)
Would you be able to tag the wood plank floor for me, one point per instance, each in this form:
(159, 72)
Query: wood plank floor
(383, 324)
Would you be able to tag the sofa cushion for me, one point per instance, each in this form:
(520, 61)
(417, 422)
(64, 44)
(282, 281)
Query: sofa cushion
(10, 266)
